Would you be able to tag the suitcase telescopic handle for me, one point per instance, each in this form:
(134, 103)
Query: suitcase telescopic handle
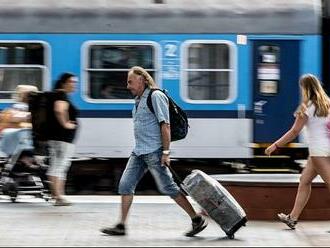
(178, 179)
(175, 175)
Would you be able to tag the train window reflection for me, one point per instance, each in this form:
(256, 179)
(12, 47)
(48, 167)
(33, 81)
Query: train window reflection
(209, 71)
(21, 63)
(200, 83)
(108, 66)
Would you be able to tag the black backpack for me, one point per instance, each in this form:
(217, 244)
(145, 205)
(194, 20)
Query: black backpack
(41, 108)
(178, 118)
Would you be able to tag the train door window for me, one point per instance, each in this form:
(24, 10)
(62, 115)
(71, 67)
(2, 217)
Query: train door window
(108, 65)
(268, 70)
(21, 63)
(209, 71)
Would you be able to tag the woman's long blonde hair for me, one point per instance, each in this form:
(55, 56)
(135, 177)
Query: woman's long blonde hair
(138, 70)
(312, 91)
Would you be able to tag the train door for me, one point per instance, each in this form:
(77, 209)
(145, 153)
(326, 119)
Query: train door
(275, 87)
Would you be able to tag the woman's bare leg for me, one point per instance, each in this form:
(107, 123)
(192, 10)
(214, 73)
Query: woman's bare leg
(304, 189)
(322, 166)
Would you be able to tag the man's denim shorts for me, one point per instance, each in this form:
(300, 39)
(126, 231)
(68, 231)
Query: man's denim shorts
(137, 166)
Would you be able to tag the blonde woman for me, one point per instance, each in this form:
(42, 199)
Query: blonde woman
(313, 113)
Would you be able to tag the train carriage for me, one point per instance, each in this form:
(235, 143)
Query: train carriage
(232, 65)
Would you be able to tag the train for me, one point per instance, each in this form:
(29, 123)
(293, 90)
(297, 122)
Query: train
(232, 65)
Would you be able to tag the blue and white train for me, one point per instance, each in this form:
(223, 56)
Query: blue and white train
(232, 65)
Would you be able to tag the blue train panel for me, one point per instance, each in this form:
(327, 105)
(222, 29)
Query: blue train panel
(237, 89)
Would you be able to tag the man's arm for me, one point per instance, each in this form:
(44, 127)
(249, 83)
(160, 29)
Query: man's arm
(165, 130)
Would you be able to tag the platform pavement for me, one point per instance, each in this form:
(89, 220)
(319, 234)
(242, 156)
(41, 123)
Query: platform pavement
(154, 221)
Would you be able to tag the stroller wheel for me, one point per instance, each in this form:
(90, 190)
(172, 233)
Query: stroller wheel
(12, 192)
(13, 199)
(10, 188)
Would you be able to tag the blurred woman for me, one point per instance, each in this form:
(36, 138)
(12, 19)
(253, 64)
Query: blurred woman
(18, 115)
(15, 117)
(64, 127)
(313, 113)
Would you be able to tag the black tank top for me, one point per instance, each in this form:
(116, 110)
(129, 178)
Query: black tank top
(58, 132)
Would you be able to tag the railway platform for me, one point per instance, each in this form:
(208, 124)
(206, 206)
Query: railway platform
(154, 221)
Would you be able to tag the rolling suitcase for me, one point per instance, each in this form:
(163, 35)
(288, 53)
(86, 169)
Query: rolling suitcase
(215, 200)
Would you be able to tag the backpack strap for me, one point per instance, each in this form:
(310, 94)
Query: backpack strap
(149, 101)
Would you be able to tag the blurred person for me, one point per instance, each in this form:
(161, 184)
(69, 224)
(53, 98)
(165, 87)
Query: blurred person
(151, 152)
(313, 113)
(18, 116)
(64, 128)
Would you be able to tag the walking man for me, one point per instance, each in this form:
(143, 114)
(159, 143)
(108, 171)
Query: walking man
(151, 152)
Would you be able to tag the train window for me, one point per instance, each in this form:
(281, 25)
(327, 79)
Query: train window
(269, 54)
(20, 63)
(108, 65)
(209, 71)
(268, 69)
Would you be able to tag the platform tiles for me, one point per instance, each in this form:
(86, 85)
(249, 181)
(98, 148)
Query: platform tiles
(154, 221)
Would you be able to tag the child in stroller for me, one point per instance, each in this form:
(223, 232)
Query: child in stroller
(23, 172)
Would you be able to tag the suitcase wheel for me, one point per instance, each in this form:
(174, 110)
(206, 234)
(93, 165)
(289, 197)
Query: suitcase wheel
(231, 236)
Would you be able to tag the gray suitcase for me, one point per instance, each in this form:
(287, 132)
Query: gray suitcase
(216, 201)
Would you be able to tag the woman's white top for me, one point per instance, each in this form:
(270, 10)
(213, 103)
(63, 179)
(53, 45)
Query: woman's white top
(317, 130)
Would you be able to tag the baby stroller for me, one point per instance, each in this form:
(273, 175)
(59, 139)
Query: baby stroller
(23, 172)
